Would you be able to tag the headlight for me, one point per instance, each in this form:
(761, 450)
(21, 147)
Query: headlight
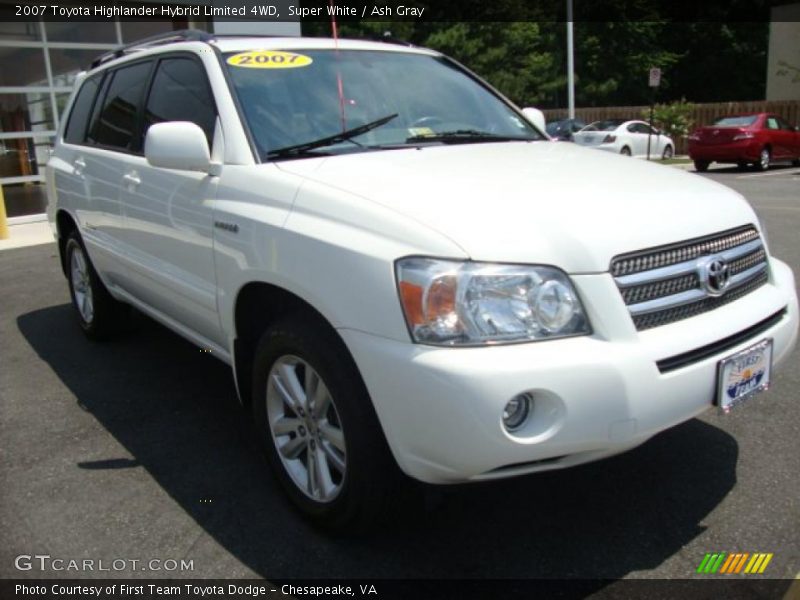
(467, 303)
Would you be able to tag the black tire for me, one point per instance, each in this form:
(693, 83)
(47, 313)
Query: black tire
(764, 160)
(371, 479)
(106, 315)
(667, 153)
(625, 151)
(796, 162)
(701, 166)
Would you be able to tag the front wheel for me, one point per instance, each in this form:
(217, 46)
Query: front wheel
(701, 165)
(99, 314)
(667, 154)
(625, 151)
(317, 425)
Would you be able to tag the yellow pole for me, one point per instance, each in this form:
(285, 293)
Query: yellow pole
(3, 223)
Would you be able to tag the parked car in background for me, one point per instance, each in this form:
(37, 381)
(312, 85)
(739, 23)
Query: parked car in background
(565, 129)
(625, 137)
(758, 139)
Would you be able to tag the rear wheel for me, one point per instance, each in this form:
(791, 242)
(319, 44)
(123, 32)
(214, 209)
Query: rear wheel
(317, 425)
(701, 165)
(99, 315)
(668, 153)
(625, 151)
(764, 159)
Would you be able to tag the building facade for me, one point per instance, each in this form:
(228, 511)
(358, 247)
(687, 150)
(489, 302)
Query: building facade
(783, 65)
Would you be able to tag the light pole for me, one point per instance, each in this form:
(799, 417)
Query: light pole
(570, 63)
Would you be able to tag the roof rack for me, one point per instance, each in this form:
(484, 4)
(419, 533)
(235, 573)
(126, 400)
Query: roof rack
(387, 38)
(180, 35)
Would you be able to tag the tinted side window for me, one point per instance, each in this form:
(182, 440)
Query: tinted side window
(79, 116)
(181, 92)
(115, 125)
(772, 123)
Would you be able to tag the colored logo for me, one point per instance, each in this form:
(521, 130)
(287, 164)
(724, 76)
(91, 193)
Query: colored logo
(726, 563)
(269, 59)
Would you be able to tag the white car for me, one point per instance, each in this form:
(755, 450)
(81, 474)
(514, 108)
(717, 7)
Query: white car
(626, 137)
(381, 247)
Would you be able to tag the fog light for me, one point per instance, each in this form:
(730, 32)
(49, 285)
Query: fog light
(516, 411)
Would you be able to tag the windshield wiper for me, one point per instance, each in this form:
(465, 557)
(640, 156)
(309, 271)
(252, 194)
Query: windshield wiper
(348, 134)
(464, 136)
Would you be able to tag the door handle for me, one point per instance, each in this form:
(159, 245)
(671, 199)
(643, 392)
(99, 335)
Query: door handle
(79, 166)
(131, 179)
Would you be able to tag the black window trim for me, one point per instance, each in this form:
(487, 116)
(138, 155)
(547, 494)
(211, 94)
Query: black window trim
(101, 77)
(108, 76)
(149, 89)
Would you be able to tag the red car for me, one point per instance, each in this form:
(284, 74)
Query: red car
(757, 138)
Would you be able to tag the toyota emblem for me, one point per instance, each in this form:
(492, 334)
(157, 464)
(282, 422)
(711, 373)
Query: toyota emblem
(715, 275)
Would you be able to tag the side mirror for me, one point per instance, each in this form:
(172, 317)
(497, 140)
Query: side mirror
(536, 117)
(177, 145)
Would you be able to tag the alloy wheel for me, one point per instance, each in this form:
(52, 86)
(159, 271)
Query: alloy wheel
(81, 285)
(306, 428)
(763, 159)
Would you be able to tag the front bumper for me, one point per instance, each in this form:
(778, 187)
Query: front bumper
(598, 395)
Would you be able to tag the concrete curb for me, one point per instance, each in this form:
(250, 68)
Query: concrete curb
(22, 235)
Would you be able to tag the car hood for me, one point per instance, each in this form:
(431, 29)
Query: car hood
(537, 202)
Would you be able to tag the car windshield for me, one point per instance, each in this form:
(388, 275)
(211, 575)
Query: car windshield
(736, 121)
(291, 100)
(607, 125)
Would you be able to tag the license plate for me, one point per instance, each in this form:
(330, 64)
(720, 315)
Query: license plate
(744, 374)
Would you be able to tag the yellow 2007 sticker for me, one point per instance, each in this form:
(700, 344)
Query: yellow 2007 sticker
(269, 59)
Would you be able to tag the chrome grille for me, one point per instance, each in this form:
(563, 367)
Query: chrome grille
(667, 284)
(675, 253)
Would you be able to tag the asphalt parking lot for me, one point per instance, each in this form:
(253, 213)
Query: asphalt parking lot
(136, 449)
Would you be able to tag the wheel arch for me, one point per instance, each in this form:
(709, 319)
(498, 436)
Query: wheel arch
(65, 225)
(257, 306)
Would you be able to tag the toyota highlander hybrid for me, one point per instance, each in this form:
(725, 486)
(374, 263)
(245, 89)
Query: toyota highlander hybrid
(383, 249)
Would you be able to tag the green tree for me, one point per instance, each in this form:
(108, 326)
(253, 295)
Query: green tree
(674, 119)
(511, 56)
(720, 62)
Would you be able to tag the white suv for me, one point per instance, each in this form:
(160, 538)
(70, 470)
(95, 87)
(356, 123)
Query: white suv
(401, 268)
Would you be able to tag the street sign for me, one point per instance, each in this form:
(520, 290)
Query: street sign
(655, 77)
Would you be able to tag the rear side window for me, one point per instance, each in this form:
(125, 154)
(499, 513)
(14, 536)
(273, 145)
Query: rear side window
(181, 92)
(81, 109)
(736, 121)
(115, 125)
